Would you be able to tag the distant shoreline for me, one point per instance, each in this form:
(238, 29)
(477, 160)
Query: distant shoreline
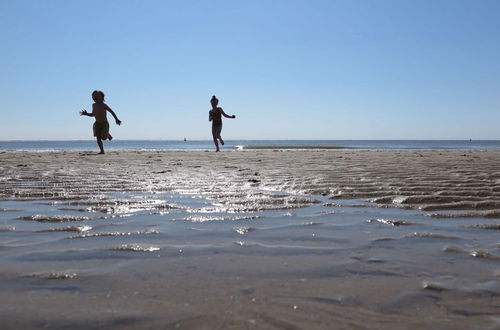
(265, 147)
(118, 144)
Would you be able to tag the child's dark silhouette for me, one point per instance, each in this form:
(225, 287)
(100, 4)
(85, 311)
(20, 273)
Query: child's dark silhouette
(101, 125)
(215, 116)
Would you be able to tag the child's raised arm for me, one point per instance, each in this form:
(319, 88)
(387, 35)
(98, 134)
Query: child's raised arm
(118, 121)
(85, 113)
(226, 115)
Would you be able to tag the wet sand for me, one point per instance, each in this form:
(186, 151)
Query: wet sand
(258, 239)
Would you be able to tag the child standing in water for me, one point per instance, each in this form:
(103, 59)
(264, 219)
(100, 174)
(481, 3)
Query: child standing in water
(215, 116)
(101, 125)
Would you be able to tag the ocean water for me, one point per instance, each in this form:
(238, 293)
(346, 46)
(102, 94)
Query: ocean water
(239, 144)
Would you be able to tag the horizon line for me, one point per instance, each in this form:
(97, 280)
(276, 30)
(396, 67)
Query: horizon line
(200, 140)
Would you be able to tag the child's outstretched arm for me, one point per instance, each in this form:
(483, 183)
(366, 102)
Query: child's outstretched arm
(85, 113)
(226, 115)
(118, 121)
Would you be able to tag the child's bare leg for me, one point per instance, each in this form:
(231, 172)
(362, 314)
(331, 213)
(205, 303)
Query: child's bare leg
(99, 143)
(110, 137)
(216, 144)
(221, 140)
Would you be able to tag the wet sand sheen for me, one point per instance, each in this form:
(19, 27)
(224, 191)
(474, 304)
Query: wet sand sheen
(250, 239)
(433, 180)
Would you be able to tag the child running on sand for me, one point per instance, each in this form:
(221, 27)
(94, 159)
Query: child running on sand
(101, 125)
(215, 116)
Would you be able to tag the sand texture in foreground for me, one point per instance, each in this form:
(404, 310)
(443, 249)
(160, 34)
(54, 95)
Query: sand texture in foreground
(260, 239)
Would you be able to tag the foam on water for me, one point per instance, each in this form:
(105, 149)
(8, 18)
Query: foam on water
(135, 248)
(244, 230)
(53, 275)
(53, 218)
(392, 222)
(79, 229)
(107, 234)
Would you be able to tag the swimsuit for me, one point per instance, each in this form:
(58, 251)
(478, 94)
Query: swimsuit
(216, 122)
(101, 129)
(216, 128)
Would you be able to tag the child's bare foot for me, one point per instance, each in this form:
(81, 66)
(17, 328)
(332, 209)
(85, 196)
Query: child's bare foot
(217, 150)
(221, 141)
(110, 137)
(101, 153)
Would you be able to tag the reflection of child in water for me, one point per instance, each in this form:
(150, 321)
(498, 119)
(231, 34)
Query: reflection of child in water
(215, 116)
(101, 125)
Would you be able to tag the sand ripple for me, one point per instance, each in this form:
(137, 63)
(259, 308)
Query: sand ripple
(205, 218)
(78, 229)
(107, 234)
(474, 253)
(391, 222)
(490, 226)
(244, 230)
(432, 235)
(484, 254)
(135, 248)
(54, 218)
(53, 275)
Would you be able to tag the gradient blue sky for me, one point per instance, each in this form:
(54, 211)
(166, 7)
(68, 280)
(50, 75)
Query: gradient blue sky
(310, 69)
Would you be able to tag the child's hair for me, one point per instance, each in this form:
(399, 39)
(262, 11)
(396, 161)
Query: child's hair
(98, 95)
(214, 101)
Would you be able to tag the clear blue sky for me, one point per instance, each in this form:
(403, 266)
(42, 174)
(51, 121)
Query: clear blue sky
(310, 69)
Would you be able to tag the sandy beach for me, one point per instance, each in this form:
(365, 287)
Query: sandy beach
(256, 239)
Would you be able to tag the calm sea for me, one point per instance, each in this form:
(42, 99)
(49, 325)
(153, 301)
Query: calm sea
(237, 144)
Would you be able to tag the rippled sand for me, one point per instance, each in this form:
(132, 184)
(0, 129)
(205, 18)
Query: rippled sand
(316, 239)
